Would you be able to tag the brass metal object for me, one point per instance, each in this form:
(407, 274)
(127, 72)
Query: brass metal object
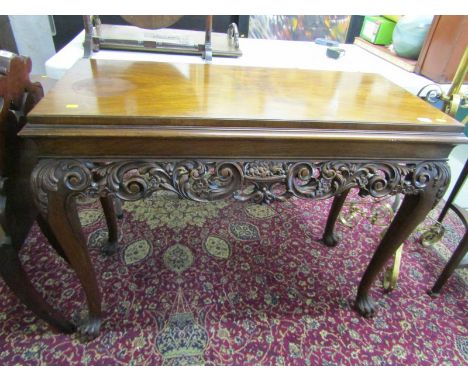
(458, 79)
(392, 272)
(454, 98)
(378, 216)
(353, 212)
(432, 235)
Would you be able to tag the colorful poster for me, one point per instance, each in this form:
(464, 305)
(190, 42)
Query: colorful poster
(299, 28)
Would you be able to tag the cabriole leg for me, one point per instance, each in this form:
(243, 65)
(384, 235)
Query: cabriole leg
(329, 237)
(411, 213)
(64, 221)
(56, 185)
(108, 206)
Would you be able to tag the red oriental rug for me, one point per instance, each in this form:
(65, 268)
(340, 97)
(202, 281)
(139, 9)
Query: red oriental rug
(228, 283)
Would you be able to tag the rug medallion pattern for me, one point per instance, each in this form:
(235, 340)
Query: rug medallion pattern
(231, 283)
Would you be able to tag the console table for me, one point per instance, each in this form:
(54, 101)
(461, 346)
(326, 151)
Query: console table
(126, 129)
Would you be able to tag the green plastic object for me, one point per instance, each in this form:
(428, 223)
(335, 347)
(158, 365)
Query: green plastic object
(409, 35)
(377, 30)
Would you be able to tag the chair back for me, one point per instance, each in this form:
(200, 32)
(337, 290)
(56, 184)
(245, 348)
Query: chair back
(18, 95)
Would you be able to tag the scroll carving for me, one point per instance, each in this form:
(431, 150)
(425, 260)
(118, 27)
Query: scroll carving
(258, 181)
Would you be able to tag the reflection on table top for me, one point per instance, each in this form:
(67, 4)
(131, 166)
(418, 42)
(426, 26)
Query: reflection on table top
(139, 92)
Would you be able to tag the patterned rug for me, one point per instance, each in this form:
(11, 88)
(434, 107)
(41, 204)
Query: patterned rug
(228, 283)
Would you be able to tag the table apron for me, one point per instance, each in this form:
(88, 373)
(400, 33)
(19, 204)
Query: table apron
(261, 181)
(233, 148)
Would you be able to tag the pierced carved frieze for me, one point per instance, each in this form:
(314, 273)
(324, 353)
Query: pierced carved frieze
(258, 181)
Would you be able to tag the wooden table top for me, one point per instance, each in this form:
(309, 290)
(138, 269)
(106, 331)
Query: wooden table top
(105, 92)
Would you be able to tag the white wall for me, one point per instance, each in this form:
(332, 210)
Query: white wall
(456, 162)
(33, 39)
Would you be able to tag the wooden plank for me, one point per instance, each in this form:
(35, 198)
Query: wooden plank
(387, 54)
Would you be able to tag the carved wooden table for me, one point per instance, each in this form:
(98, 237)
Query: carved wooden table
(125, 129)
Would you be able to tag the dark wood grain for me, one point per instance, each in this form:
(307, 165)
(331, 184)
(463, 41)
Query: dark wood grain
(106, 142)
(136, 93)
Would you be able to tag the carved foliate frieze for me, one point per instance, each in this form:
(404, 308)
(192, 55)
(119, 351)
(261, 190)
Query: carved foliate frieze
(259, 181)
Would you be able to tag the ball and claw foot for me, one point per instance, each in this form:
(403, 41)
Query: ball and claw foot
(110, 248)
(365, 306)
(433, 294)
(330, 240)
(89, 329)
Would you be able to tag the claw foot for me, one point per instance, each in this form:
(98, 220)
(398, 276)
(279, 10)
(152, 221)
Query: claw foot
(110, 248)
(90, 328)
(433, 294)
(365, 306)
(330, 240)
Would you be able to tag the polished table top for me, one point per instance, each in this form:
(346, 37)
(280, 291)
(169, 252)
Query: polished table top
(202, 110)
(115, 92)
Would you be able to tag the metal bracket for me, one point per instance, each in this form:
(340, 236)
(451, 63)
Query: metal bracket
(233, 35)
(208, 51)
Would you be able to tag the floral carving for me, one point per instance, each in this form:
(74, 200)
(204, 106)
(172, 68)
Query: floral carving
(259, 181)
(323, 180)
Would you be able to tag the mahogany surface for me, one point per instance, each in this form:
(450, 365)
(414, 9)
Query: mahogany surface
(124, 130)
(180, 94)
(161, 109)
